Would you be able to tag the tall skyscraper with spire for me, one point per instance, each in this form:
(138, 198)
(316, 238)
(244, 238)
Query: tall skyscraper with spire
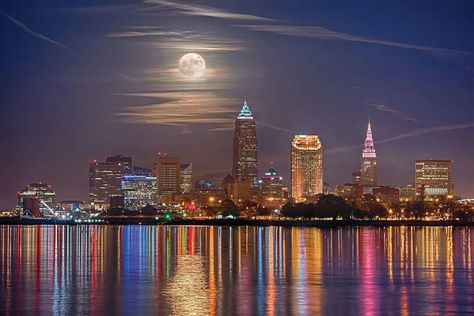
(368, 169)
(245, 147)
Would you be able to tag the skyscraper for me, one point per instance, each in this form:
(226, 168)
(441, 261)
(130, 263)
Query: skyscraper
(306, 167)
(245, 147)
(368, 168)
(104, 183)
(433, 179)
(123, 160)
(186, 174)
(168, 175)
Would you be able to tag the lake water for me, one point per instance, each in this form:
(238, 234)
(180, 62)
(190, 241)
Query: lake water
(134, 270)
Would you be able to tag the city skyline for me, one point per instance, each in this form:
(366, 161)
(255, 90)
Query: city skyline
(74, 95)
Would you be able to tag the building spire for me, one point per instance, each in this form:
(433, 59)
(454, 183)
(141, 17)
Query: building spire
(245, 113)
(369, 148)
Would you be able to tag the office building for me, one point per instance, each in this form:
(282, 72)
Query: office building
(368, 169)
(186, 181)
(168, 174)
(433, 179)
(306, 167)
(104, 183)
(37, 196)
(121, 160)
(245, 147)
(139, 191)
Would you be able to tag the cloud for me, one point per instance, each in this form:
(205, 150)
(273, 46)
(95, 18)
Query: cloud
(326, 34)
(49, 40)
(200, 10)
(383, 107)
(410, 134)
(182, 108)
(182, 40)
(24, 27)
(430, 130)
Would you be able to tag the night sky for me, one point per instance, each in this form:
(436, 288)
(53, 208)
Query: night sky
(100, 78)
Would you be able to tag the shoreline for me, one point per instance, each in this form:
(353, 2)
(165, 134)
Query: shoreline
(242, 222)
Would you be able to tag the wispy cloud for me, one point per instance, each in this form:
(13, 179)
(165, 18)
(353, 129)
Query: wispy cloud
(207, 11)
(384, 107)
(327, 34)
(429, 130)
(49, 40)
(185, 109)
(182, 108)
(410, 134)
(27, 29)
(182, 40)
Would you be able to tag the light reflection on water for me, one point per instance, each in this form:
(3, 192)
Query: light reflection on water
(246, 270)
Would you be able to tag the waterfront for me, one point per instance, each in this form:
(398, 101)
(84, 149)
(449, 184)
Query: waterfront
(246, 270)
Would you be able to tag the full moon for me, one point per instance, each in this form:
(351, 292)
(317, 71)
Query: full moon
(192, 65)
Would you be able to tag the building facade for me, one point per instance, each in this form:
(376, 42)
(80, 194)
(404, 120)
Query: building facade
(306, 167)
(245, 147)
(186, 181)
(39, 194)
(386, 195)
(407, 193)
(168, 174)
(368, 168)
(272, 188)
(104, 183)
(433, 179)
(139, 191)
(125, 161)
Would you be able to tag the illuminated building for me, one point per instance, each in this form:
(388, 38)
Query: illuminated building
(104, 183)
(386, 195)
(139, 191)
(433, 179)
(356, 177)
(368, 169)
(186, 181)
(40, 195)
(168, 174)
(122, 160)
(245, 147)
(204, 184)
(348, 191)
(306, 167)
(140, 171)
(272, 188)
(239, 190)
(71, 205)
(407, 193)
(272, 184)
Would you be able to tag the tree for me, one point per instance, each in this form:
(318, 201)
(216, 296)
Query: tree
(379, 211)
(229, 208)
(332, 206)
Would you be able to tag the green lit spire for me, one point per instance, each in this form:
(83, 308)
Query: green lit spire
(245, 113)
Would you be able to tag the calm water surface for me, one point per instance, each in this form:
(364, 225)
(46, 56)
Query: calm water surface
(241, 270)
